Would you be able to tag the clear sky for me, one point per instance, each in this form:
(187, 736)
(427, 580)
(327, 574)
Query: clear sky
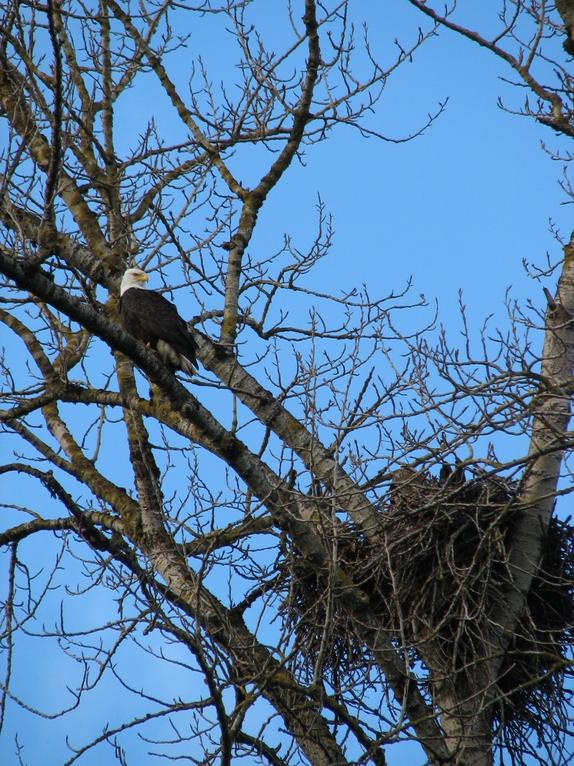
(460, 208)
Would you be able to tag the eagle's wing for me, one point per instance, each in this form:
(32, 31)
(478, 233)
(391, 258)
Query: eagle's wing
(150, 317)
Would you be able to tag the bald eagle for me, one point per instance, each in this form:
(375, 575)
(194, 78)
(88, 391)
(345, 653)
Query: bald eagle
(149, 317)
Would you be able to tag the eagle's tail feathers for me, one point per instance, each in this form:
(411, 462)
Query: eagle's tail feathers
(175, 359)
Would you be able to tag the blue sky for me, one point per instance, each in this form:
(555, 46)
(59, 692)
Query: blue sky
(458, 208)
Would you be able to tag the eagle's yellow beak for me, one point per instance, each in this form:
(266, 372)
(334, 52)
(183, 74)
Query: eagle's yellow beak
(143, 277)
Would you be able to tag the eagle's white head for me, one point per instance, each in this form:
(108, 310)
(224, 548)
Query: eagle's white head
(133, 278)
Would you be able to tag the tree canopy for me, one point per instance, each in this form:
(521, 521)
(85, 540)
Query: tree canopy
(347, 535)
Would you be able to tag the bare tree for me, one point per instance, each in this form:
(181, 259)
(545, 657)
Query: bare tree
(291, 538)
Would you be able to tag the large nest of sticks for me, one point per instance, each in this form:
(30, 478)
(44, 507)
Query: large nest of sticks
(434, 574)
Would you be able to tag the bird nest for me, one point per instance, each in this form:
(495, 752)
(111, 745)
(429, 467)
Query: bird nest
(434, 573)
